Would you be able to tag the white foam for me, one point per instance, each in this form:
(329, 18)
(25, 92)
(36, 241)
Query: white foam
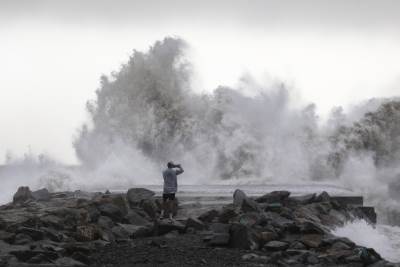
(384, 239)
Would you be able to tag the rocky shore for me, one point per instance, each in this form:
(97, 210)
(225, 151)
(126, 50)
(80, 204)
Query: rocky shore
(105, 229)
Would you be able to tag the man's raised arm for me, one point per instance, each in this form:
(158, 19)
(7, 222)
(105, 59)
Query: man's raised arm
(179, 170)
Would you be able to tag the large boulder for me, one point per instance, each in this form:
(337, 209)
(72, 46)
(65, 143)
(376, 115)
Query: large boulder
(209, 215)
(274, 197)
(22, 195)
(195, 223)
(136, 195)
(249, 205)
(41, 195)
(243, 237)
(112, 211)
(238, 197)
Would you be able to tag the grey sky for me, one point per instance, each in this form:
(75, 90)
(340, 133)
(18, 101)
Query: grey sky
(53, 53)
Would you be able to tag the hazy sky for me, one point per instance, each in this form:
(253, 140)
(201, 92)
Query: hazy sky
(52, 54)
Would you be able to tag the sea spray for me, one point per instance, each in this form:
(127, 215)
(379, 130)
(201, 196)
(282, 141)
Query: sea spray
(383, 238)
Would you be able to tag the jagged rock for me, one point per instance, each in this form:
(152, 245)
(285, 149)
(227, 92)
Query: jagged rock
(329, 241)
(41, 195)
(227, 214)
(22, 195)
(274, 197)
(163, 227)
(65, 261)
(267, 236)
(243, 237)
(249, 219)
(238, 197)
(112, 211)
(311, 240)
(220, 227)
(340, 246)
(35, 234)
(136, 195)
(150, 207)
(276, 246)
(208, 216)
(304, 200)
(6, 236)
(297, 245)
(134, 218)
(249, 205)
(195, 223)
(137, 231)
(323, 197)
(219, 239)
(22, 239)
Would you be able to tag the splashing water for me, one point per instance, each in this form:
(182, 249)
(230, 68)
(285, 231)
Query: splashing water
(384, 239)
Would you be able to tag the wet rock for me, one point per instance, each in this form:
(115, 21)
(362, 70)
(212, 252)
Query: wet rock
(112, 211)
(137, 231)
(41, 195)
(243, 237)
(227, 214)
(65, 261)
(150, 207)
(134, 218)
(297, 245)
(22, 195)
(323, 197)
(208, 216)
(136, 195)
(276, 246)
(163, 227)
(340, 246)
(195, 223)
(311, 240)
(249, 205)
(35, 234)
(274, 197)
(238, 197)
(105, 222)
(304, 200)
(219, 239)
(267, 236)
(220, 227)
(6, 236)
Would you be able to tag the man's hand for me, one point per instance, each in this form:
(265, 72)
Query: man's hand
(180, 169)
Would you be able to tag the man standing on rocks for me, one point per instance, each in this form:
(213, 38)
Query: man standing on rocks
(170, 188)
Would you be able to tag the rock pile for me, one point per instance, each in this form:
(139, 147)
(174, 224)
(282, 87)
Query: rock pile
(68, 228)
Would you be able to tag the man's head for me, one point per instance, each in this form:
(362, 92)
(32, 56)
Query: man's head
(170, 165)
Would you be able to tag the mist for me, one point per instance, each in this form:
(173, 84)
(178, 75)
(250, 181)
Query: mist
(147, 113)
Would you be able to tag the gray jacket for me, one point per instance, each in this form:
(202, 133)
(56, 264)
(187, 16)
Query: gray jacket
(170, 181)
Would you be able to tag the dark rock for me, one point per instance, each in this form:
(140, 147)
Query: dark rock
(227, 214)
(112, 211)
(329, 241)
(220, 227)
(41, 195)
(340, 246)
(163, 227)
(311, 240)
(297, 245)
(6, 236)
(323, 197)
(120, 232)
(238, 197)
(249, 205)
(267, 236)
(22, 239)
(219, 239)
(22, 195)
(304, 200)
(208, 216)
(134, 218)
(195, 223)
(249, 219)
(243, 237)
(105, 222)
(65, 261)
(137, 231)
(309, 227)
(150, 207)
(276, 246)
(35, 234)
(274, 197)
(136, 195)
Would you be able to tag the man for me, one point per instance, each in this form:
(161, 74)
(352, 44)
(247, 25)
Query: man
(170, 188)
